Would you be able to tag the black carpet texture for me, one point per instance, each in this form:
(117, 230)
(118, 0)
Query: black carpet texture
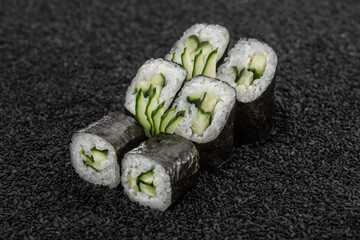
(65, 64)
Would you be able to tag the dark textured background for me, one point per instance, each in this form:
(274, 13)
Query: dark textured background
(64, 65)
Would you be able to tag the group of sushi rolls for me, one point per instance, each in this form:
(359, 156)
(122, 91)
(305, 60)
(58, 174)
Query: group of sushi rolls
(190, 111)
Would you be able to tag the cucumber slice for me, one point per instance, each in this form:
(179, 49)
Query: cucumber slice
(165, 119)
(186, 62)
(209, 102)
(158, 80)
(85, 157)
(147, 189)
(257, 65)
(99, 155)
(236, 73)
(156, 118)
(140, 108)
(197, 100)
(198, 64)
(144, 85)
(205, 47)
(150, 107)
(175, 58)
(201, 122)
(147, 177)
(170, 128)
(246, 78)
(192, 43)
(134, 183)
(210, 65)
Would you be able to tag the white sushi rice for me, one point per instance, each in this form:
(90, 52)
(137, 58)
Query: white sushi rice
(199, 85)
(174, 77)
(110, 173)
(217, 36)
(136, 164)
(239, 56)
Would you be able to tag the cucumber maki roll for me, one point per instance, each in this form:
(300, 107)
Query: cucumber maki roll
(160, 170)
(250, 68)
(152, 91)
(208, 106)
(97, 150)
(200, 49)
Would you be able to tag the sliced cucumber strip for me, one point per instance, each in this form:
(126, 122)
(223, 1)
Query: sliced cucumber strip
(236, 73)
(158, 80)
(201, 122)
(147, 177)
(134, 183)
(175, 58)
(170, 128)
(186, 62)
(210, 65)
(209, 102)
(205, 47)
(85, 157)
(147, 189)
(257, 65)
(140, 108)
(246, 78)
(165, 119)
(156, 117)
(192, 43)
(197, 100)
(150, 107)
(198, 64)
(99, 155)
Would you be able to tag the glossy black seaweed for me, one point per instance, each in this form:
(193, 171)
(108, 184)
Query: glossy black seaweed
(121, 131)
(178, 156)
(254, 120)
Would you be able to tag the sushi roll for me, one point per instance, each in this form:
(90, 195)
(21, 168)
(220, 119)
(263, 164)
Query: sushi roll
(208, 107)
(97, 150)
(160, 170)
(250, 68)
(200, 49)
(152, 91)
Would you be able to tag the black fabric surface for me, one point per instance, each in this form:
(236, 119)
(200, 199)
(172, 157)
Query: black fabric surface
(65, 64)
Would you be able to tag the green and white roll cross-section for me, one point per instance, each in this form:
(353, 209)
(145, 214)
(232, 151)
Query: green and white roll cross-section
(199, 49)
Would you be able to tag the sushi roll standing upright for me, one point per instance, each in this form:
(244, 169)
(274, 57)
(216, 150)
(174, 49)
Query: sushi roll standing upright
(200, 49)
(250, 68)
(96, 151)
(152, 91)
(160, 170)
(208, 105)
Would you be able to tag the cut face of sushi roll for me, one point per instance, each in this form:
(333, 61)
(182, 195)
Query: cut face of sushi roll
(160, 170)
(96, 150)
(250, 68)
(152, 91)
(199, 49)
(208, 119)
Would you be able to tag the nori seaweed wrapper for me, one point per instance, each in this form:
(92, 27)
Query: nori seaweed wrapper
(217, 152)
(121, 131)
(178, 156)
(254, 120)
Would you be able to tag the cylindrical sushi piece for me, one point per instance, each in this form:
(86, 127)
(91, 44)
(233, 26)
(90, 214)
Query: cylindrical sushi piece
(200, 49)
(96, 151)
(154, 87)
(160, 170)
(167, 77)
(209, 107)
(250, 68)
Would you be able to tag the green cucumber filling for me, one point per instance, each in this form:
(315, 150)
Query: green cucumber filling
(95, 159)
(256, 68)
(198, 58)
(205, 104)
(144, 183)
